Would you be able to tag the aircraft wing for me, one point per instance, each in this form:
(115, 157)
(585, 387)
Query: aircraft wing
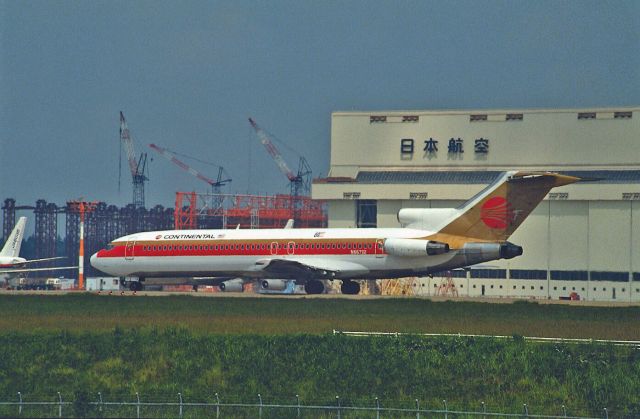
(475, 267)
(299, 268)
(45, 259)
(24, 262)
(11, 271)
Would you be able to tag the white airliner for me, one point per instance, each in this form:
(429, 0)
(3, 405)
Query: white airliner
(11, 265)
(432, 240)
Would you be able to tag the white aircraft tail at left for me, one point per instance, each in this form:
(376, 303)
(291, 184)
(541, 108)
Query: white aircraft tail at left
(12, 246)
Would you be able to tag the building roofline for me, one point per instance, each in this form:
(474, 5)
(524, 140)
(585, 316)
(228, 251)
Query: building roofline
(635, 108)
(380, 177)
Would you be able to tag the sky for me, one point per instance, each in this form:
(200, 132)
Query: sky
(188, 74)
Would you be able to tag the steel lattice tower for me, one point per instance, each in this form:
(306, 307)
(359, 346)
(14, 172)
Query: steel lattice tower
(46, 231)
(8, 217)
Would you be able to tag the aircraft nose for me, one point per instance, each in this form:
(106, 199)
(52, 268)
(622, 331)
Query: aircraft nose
(99, 262)
(94, 260)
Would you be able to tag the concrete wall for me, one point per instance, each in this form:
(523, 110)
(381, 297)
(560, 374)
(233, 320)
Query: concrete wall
(533, 289)
(342, 214)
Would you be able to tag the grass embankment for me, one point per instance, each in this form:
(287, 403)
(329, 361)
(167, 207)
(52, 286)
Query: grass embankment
(504, 374)
(283, 316)
(239, 347)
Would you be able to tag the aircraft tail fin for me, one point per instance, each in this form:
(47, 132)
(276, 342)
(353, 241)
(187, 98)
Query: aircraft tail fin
(12, 246)
(499, 209)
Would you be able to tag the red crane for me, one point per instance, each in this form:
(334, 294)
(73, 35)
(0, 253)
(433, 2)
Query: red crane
(221, 180)
(300, 183)
(185, 217)
(137, 167)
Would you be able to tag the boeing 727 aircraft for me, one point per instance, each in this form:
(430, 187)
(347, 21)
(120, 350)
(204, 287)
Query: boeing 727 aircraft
(432, 240)
(11, 265)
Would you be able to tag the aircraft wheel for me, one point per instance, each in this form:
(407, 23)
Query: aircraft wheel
(350, 287)
(314, 287)
(135, 286)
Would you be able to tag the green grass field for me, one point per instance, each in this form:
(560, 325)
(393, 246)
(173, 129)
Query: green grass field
(269, 316)
(82, 344)
(158, 364)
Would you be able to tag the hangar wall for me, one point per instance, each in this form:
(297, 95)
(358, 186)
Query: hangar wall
(572, 137)
(582, 238)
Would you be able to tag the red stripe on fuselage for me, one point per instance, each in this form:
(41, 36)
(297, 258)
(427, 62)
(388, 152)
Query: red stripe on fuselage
(244, 248)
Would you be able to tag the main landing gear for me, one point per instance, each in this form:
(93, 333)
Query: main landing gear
(134, 285)
(314, 287)
(350, 287)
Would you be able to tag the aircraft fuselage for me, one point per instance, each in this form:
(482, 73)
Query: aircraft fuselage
(346, 253)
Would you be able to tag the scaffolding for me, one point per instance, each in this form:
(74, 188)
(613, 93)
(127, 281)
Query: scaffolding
(195, 210)
(108, 222)
(185, 211)
(8, 217)
(400, 286)
(447, 287)
(46, 231)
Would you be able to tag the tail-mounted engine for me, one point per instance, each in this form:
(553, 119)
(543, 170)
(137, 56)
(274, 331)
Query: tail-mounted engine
(482, 252)
(414, 247)
(509, 250)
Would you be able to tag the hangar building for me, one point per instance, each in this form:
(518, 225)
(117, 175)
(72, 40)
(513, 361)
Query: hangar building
(583, 238)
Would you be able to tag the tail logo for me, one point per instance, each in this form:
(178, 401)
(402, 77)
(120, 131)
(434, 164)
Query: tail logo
(15, 239)
(496, 213)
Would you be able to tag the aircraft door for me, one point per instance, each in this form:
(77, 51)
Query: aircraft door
(379, 248)
(291, 248)
(129, 250)
(273, 248)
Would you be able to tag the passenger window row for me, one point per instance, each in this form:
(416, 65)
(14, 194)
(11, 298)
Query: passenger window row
(263, 246)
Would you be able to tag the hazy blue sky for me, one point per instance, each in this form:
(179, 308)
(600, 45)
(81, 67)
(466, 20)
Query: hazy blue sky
(187, 74)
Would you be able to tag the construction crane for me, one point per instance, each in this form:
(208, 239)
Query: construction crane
(221, 180)
(137, 166)
(300, 182)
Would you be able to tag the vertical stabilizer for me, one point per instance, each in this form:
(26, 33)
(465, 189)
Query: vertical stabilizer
(498, 210)
(12, 246)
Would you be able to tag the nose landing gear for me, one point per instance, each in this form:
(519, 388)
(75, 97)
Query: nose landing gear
(136, 286)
